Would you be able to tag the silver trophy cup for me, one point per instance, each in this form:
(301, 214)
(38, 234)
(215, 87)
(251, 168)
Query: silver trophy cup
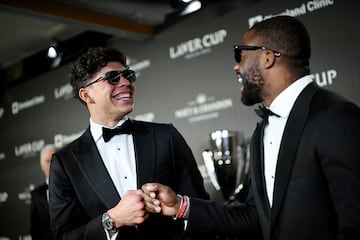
(226, 162)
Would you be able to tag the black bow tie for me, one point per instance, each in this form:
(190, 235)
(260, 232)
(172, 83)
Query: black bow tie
(264, 112)
(125, 128)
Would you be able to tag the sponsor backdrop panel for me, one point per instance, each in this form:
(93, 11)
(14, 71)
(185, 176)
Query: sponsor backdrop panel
(185, 77)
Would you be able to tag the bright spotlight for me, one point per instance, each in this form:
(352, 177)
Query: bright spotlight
(193, 6)
(52, 53)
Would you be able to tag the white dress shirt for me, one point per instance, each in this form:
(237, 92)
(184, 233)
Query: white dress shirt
(273, 132)
(118, 155)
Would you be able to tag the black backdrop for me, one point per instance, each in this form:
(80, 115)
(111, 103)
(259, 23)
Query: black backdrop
(185, 77)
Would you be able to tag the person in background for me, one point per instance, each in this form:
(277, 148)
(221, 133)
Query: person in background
(305, 164)
(39, 209)
(95, 180)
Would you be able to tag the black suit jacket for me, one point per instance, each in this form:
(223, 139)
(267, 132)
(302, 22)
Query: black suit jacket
(317, 181)
(39, 214)
(81, 189)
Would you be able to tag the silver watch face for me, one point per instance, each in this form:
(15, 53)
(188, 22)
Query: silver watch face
(107, 222)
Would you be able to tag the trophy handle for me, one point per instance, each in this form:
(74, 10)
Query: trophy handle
(209, 164)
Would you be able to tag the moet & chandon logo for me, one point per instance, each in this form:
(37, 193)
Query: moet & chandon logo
(203, 108)
(26, 195)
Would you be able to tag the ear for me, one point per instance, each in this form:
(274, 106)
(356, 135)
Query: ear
(85, 96)
(269, 59)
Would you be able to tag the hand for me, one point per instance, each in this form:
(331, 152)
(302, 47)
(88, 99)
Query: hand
(160, 199)
(130, 210)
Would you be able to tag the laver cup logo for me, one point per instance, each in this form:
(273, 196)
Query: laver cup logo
(29, 149)
(198, 46)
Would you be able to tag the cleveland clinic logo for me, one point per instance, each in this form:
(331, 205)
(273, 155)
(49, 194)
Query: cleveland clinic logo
(2, 156)
(310, 6)
(198, 46)
(137, 65)
(3, 197)
(16, 107)
(203, 108)
(147, 117)
(60, 140)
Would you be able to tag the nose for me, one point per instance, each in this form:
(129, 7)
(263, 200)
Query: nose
(237, 72)
(123, 81)
(236, 67)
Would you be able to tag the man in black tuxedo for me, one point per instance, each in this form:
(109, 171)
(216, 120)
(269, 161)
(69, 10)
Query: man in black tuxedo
(39, 213)
(95, 180)
(305, 164)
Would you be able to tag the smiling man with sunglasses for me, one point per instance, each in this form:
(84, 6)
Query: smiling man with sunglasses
(95, 180)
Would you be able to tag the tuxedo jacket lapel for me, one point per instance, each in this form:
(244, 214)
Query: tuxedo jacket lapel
(94, 170)
(144, 144)
(258, 181)
(289, 146)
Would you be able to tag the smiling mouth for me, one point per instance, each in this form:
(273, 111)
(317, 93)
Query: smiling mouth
(122, 96)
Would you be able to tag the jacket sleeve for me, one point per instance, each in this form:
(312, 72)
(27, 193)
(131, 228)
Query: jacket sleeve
(212, 218)
(338, 151)
(68, 220)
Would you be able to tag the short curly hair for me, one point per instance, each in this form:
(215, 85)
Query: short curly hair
(90, 63)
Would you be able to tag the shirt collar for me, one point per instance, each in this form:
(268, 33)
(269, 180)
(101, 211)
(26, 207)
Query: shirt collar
(96, 129)
(284, 102)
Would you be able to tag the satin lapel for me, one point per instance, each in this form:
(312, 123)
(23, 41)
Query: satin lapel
(94, 170)
(144, 144)
(289, 145)
(257, 176)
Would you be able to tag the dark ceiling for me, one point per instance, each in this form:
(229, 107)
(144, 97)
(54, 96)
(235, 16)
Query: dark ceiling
(28, 27)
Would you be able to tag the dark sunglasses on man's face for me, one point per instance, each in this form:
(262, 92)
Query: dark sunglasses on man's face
(239, 48)
(113, 77)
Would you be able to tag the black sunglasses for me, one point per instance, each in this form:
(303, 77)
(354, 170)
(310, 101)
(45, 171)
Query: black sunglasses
(113, 77)
(239, 48)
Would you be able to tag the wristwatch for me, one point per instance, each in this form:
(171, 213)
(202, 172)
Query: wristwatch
(108, 223)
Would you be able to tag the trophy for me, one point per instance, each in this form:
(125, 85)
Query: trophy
(226, 162)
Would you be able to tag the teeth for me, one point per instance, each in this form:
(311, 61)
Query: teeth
(240, 79)
(122, 96)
